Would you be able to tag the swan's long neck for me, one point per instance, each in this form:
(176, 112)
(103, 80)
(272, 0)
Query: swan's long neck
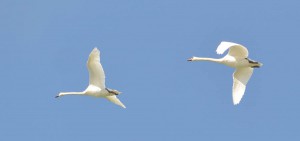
(71, 93)
(206, 59)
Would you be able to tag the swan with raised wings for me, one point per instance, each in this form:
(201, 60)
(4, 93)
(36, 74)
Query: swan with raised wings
(96, 86)
(237, 58)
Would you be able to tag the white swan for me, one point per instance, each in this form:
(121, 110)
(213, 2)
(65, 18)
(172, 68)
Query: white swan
(236, 58)
(97, 81)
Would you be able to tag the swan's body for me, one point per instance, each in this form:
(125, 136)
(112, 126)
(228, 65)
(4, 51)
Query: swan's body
(96, 86)
(236, 58)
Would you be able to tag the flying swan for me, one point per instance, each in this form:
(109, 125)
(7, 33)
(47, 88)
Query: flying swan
(96, 86)
(237, 58)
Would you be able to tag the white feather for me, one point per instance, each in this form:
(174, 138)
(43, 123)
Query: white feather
(97, 81)
(237, 58)
(115, 100)
(96, 72)
(241, 77)
(235, 50)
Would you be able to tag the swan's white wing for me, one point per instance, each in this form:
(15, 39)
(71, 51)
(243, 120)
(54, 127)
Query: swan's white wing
(236, 50)
(240, 80)
(115, 100)
(96, 73)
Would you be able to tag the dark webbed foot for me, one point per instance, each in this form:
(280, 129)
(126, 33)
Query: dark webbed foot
(111, 91)
(255, 67)
(251, 61)
(108, 90)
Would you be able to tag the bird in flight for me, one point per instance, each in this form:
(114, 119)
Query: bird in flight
(237, 58)
(96, 85)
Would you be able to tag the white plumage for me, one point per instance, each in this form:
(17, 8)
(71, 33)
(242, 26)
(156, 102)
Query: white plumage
(236, 58)
(96, 86)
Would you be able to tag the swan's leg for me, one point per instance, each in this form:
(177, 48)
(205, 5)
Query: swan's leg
(109, 91)
(251, 61)
(255, 67)
(112, 92)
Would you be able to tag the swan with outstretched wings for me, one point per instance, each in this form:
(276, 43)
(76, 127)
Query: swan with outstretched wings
(96, 86)
(237, 57)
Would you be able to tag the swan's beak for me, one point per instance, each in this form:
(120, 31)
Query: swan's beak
(58, 95)
(191, 59)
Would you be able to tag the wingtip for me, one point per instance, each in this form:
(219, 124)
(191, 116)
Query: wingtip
(225, 42)
(95, 49)
(236, 103)
(218, 52)
(224, 45)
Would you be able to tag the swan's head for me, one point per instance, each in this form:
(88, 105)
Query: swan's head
(59, 95)
(191, 59)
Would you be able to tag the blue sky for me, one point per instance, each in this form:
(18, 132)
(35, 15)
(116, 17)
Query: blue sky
(144, 46)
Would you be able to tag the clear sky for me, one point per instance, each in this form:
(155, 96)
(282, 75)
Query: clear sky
(144, 44)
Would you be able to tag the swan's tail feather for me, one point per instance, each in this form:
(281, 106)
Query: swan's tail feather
(115, 100)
